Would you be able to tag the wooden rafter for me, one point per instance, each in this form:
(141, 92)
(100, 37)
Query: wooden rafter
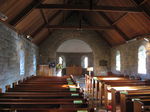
(115, 27)
(144, 1)
(99, 32)
(141, 7)
(44, 25)
(44, 17)
(25, 12)
(120, 18)
(88, 8)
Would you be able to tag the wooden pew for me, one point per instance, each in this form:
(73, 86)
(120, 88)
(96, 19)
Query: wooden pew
(37, 96)
(117, 89)
(142, 105)
(101, 86)
(128, 97)
(46, 110)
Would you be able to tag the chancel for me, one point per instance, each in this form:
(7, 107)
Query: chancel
(74, 55)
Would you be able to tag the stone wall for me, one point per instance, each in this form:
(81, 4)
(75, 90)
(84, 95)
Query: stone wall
(101, 50)
(11, 43)
(129, 58)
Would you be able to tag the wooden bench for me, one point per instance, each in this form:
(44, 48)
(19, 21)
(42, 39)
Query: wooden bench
(57, 97)
(128, 97)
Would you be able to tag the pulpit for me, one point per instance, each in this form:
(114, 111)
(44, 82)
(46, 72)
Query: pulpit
(74, 70)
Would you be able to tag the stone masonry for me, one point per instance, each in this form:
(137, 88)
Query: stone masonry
(129, 58)
(10, 45)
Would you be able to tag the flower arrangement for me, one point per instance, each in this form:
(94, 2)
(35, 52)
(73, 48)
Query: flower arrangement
(59, 66)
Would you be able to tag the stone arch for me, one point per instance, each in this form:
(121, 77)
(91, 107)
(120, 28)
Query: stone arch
(101, 51)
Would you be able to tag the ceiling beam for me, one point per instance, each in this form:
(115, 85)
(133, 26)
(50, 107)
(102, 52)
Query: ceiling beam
(89, 8)
(25, 12)
(79, 27)
(44, 18)
(144, 1)
(99, 32)
(120, 18)
(141, 7)
(44, 25)
(124, 36)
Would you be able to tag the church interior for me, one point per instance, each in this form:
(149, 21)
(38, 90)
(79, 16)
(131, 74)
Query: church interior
(74, 55)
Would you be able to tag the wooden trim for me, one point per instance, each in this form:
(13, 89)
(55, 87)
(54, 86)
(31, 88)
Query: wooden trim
(89, 8)
(79, 27)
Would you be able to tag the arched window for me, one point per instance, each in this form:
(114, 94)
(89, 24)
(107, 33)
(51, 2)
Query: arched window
(60, 60)
(22, 62)
(84, 62)
(34, 64)
(142, 60)
(118, 62)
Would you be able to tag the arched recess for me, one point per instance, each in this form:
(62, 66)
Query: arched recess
(73, 50)
(101, 51)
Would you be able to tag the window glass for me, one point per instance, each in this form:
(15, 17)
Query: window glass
(142, 60)
(118, 63)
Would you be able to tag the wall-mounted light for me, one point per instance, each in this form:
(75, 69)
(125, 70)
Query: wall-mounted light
(3, 17)
(131, 40)
(29, 37)
(146, 39)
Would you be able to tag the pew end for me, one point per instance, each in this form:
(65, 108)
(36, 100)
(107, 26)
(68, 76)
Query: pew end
(137, 106)
(7, 87)
(0, 90)
(14, 84)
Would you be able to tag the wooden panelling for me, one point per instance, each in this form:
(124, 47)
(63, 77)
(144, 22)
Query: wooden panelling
(114, 16)
(44, 70)
(129, 26)
(124, 3)
(13, 7)
(134, 24)
(30, 23)
(96, 19)
(74, 70)
(113, 37)
(40, 36)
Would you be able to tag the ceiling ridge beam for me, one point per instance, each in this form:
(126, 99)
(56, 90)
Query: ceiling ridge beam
(88, 8)
(125, 37)
(80, 27)
(44, 25)
(25, 12)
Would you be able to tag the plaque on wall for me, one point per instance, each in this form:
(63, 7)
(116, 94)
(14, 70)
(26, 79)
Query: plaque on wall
(102, 63)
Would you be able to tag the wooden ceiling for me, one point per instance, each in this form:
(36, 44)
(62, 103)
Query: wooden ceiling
(117, 21)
